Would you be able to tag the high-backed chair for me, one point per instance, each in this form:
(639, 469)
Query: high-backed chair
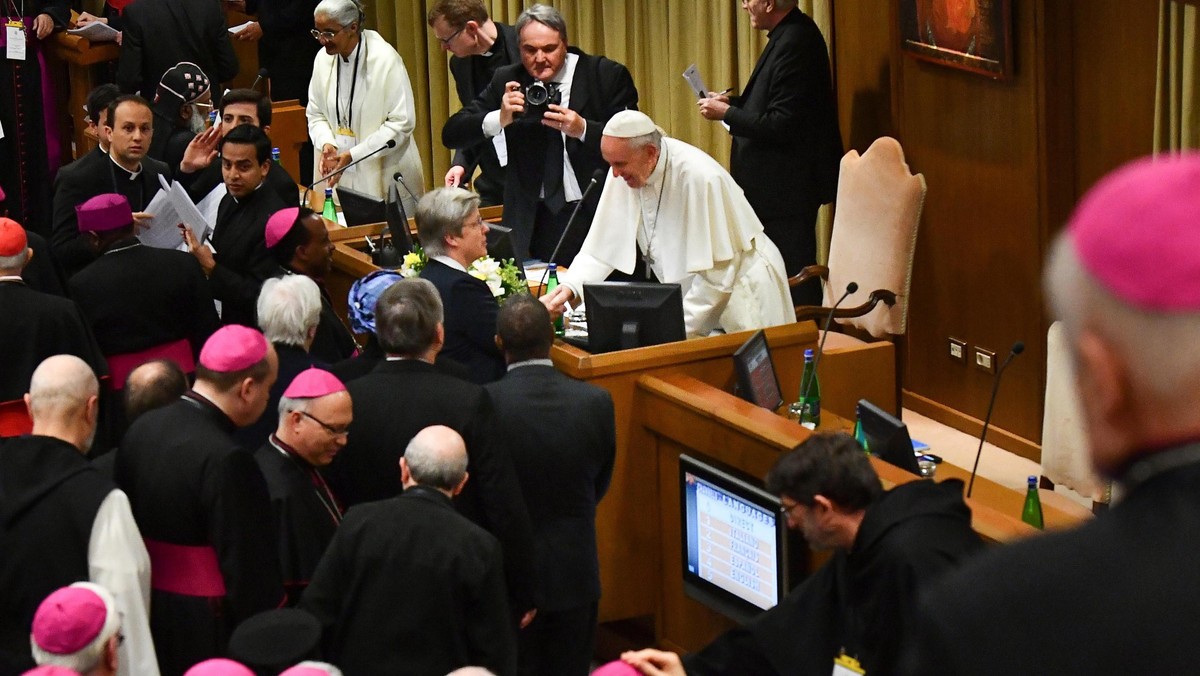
(1064, 444)
(878, 208)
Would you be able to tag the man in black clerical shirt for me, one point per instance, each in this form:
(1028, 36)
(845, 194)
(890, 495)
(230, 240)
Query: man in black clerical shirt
(235, 257)
(408, 586)
(126, 170)
(314, 416)
(299, 241)
(479, 47)
(200, 172)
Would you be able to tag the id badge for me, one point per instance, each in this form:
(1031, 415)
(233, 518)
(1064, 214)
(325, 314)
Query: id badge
(14, 34)
(846, 665)
(345, 141)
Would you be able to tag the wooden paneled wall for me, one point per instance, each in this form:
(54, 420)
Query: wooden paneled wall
(1004, 162)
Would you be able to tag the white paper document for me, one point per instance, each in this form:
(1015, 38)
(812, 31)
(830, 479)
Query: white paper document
(96, 31)
(240, 27)
(169, 208)
(695, 81)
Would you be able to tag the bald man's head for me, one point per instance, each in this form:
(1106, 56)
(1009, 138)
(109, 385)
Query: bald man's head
(437, 457)
(63, 400)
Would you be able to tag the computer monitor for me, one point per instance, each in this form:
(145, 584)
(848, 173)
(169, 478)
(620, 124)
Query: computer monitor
(397, 222)
(500, 246)
(360, 208)
(756, 380)
(625, 315)
(887, 437)
(739, 558)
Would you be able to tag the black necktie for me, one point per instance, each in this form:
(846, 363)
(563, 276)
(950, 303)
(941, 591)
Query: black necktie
(552, 178)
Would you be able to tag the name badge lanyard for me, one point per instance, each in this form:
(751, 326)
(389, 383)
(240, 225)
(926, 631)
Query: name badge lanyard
(14, 31)
(19, 11)
(349, 124)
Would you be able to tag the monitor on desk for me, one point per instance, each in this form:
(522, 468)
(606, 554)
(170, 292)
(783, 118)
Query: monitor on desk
(756, 380)
(500, 247)
(397, 222)
(887, 437)
(360, 208)
(625, 315)
(739, 557)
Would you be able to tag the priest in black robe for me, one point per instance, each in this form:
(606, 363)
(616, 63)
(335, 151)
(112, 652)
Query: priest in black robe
(182, 102)
(36, 325)
(202, 504)
(315, 413)
(860, 605)
(409, 587)
(241, 262)
(299, 241)
(137, 297)
(126, 170)
(28, 113)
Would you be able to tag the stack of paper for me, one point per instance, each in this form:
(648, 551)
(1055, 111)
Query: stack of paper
(170, 208)
(96, 31)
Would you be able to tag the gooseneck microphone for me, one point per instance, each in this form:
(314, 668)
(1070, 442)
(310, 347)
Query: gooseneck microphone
(387, 255)
(597, 176)
(262, 73)
(304, 199)
(1017, 348)
(850, 289)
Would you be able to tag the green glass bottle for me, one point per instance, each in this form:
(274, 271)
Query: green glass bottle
(551, 285)
(807, 408)
(329, 211)
(1032, 512)
(860, 436)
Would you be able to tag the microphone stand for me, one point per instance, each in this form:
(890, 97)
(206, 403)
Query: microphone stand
(304, 199)
(807, 386)
(596, 176)
(1017, 348)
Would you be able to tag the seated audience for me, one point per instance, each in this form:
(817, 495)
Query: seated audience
(454, 236)
(409, 586)
(860, 606)
(78, 628)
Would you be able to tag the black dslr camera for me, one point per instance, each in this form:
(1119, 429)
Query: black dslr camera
(538, 97)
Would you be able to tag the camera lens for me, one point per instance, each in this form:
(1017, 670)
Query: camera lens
(537, 94)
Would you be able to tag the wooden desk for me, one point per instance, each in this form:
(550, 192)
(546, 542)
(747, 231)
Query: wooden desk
(289, 132)
(80, 54)
(675, 414)
(627, 534)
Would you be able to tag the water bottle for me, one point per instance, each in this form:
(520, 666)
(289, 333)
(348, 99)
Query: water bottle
(1031, 513)
(807, 408)
(275, 154)
(551, 285)
(329, 211)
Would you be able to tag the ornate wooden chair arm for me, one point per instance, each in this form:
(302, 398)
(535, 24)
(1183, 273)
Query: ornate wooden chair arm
(810, 272)
(816, 313)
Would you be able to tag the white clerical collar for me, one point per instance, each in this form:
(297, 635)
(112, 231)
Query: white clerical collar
(660, 167)
(132, 174)
(450, 262)
(530, 362)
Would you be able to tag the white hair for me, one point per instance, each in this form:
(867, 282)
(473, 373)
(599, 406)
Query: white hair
(324, 667)
(14, 263)
(289, 308)
(1160, 349)
(88, 657)
(654, 138)
(437, 457)
(345, 12)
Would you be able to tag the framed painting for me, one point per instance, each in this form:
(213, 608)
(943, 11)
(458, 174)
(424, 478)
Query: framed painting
(972, 35)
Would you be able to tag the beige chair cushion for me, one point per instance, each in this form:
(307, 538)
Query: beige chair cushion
(875, 221)
(1065, 458)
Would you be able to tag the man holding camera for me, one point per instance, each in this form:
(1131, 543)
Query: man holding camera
(549, 110)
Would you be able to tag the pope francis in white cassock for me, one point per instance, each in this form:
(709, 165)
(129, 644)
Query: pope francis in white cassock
(682, 212)
(359, 98)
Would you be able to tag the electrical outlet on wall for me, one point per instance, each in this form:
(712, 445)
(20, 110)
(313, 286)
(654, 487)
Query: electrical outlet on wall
(958, 350)
(985, 360)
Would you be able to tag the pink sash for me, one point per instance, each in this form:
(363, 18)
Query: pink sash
(185, 570)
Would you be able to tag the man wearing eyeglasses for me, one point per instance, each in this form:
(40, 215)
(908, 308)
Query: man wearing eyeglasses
(853, 614)
(478, 47)
(314, 419)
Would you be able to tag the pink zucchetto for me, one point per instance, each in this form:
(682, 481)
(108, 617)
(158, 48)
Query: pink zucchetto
(280, 224)
(616, 668)
(233, 348)
(312, 383)
(104, 212)
(50, 670)
(219, 667)
(73, 618)
(312, 668)
(1137, 233)
(13, 239)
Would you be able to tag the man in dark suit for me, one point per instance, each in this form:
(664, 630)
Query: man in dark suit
(552, 155)
(407, 393)
(241, 262)
(479, 47)
(125, 169)
(408, 587)
(786, 144)
(1119, 594)
(454, 236)
(577, 450)
(157, 34)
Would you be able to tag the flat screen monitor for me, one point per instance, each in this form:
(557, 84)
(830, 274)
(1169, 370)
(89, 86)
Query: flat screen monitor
(500, 246)
(756, 380)
(738, 556)
(397, 222)
(360, 208)
(887, 437)
(625, 315)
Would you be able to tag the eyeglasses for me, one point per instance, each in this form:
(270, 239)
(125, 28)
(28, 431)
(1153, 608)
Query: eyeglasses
(325, 36)
(446, 41)
(328, 428)
(787, 510)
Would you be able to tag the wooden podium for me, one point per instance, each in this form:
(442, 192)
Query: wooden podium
(80, 54)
